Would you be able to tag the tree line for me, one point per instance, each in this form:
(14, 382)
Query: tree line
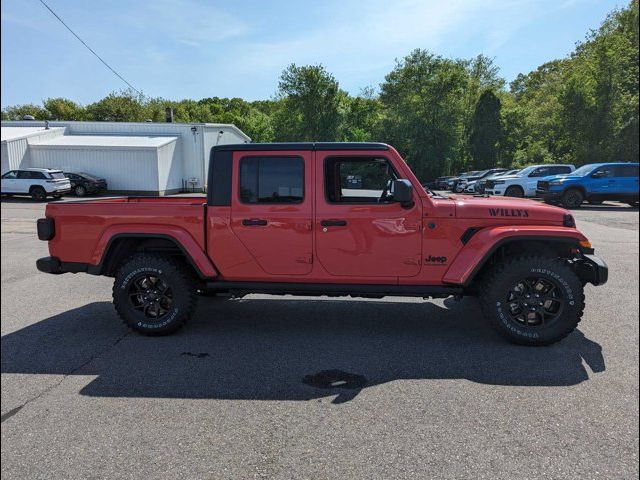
(443, 115)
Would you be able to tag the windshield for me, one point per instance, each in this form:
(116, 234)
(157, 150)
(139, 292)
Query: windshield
(525, 171)
(584, 170)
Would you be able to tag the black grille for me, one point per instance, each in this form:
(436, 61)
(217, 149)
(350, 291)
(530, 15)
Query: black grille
(490, 184)
(543, 185)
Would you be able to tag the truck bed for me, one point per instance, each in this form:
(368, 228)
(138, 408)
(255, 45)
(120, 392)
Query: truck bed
(82, 227)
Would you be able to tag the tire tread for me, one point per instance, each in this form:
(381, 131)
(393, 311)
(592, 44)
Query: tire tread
(185, 277)
(499, 270)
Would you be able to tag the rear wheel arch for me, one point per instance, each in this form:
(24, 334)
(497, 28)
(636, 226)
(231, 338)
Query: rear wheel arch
(122, 246)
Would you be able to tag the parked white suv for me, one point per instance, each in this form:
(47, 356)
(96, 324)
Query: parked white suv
(525, 182)
(38, 183)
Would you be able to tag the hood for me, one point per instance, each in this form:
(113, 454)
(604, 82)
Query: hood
(506, 209)
(566, 176)
(505, 177)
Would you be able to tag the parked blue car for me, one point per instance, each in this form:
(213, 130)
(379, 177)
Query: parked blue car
(593, 183)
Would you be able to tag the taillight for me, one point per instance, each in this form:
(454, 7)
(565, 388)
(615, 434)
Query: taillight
(46, 228)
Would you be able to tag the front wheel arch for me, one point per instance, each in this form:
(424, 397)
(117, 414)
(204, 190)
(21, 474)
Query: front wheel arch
(560, 246)
(515, 188)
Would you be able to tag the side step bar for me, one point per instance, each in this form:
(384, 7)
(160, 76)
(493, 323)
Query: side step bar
(333, 289)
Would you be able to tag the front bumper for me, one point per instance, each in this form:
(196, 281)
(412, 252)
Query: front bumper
(59, 191)
(96, 187)
(548, 195)
(592, 269)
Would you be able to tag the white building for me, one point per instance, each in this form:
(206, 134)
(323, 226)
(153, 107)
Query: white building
(151, 158)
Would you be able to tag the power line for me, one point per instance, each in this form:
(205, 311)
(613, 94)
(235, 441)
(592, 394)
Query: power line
(89, 48)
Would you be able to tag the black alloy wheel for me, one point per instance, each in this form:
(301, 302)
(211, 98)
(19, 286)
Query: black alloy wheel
(39, 194)
(572, 198)
(535, 301)
(151, 296)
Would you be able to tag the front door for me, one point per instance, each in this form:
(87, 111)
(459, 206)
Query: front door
(271, 210)
(360, 230)
(603, 181)
(9, 182)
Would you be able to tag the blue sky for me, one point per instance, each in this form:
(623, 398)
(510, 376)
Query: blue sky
(193, 49)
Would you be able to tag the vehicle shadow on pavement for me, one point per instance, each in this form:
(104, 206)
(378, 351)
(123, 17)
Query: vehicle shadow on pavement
(264, 348)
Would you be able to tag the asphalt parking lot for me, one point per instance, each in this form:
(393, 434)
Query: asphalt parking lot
(440, 395)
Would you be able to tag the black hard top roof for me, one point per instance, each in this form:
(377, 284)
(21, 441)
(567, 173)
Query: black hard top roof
(303, 146)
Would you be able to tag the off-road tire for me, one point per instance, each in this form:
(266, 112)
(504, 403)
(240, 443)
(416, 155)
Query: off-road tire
(80, 191)
(572, 198)
(514, 191)
(172, 273)
(501, 279)
(38, 193)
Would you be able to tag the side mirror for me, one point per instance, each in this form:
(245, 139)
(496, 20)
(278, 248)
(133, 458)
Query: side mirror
(403, 192)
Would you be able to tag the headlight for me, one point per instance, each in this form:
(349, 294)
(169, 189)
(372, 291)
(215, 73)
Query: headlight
(555, 183)
(498, 182)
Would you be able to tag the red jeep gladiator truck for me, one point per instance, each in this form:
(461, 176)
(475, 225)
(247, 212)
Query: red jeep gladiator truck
(327, 219)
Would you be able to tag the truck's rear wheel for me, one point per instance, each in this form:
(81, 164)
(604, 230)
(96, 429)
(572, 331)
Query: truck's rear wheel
(38, 193)
(533, 300)
(154, 294)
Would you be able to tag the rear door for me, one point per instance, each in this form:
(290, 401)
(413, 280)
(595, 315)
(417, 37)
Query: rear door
(271, 209)
(627, 179)
(359, 230)
(26, 179)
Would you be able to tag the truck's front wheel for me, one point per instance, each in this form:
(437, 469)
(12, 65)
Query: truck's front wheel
(154, 294)
(533, 300)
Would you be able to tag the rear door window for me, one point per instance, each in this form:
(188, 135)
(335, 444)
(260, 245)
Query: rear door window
(561, 170)
(271, 180)
(28, 175)
(626, 171)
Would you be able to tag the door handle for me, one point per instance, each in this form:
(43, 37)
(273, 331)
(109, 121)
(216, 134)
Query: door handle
(254, 222)
(333, 223)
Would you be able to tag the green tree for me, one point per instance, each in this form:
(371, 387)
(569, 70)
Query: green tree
(486, 132)
(362, 117)
(63, 109)
(309, 107)
(125, 106)
(423, 99)
(17, 112)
